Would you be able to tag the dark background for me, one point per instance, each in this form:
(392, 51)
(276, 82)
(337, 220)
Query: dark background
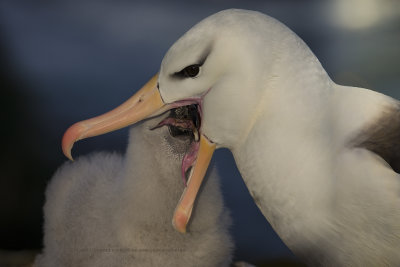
(64, 61)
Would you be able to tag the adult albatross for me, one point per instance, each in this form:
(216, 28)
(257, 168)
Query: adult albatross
(319, 159)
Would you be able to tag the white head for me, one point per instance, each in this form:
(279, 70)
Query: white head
(226, 54)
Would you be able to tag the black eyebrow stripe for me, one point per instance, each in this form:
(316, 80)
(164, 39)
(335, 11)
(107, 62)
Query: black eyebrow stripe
(200, 62)
(204, 56)
(180, 74)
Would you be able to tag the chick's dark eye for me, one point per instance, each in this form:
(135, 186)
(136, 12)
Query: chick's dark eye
(191, 71)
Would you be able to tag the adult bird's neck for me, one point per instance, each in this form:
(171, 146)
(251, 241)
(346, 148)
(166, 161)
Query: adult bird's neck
(285, 157)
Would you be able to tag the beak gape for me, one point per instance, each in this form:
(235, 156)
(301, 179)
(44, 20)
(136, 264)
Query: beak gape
(146, 103)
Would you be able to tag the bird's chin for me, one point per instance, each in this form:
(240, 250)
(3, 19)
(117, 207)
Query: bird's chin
(185, 122)
(184, 119)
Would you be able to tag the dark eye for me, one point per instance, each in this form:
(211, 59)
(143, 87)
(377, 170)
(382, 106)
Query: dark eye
(191, 71)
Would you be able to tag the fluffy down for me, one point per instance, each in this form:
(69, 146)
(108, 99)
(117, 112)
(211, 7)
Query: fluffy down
(111, 210)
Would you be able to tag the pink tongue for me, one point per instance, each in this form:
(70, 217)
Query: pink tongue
(188, 124)
(189, 159)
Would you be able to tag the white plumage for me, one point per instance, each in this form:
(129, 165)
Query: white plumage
(109, 210)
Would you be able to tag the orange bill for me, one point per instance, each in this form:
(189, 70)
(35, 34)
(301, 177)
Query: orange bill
(184, 208)
(145, 103)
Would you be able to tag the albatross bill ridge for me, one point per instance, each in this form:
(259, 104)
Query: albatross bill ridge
(300, 141)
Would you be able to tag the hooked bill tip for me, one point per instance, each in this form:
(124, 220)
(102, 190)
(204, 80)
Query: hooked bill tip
(71, 135)
(66, 148)
(67, 153)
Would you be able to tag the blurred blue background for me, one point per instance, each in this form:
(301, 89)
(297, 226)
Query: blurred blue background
(64, 61)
